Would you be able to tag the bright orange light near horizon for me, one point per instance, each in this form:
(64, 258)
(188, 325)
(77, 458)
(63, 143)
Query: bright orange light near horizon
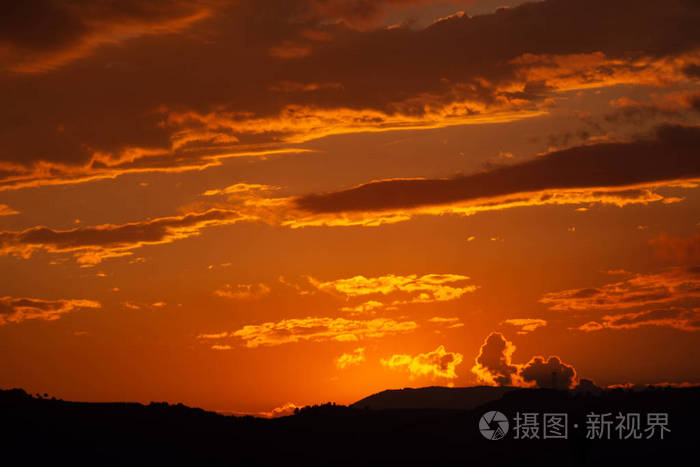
(252, 207)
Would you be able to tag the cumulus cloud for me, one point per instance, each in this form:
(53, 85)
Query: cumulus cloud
(671, 155)
(353, 358)
(314, 329)
(494, 366)
(548, 373)
(438, 363)
(15, 310)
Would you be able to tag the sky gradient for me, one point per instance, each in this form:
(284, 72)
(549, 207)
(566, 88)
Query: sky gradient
(249, 206)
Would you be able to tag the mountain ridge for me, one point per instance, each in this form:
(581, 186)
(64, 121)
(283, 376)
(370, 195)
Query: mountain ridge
(433, 397)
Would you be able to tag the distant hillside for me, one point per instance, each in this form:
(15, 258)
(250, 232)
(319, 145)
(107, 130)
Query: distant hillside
(46, 432)
(434, 397)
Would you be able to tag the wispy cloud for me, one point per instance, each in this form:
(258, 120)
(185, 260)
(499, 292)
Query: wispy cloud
(15, 310)
(678, 318)
(6, 210)
(526, 325)
(91, 245)
(399, 289)
(242, 291)
(674, 285)
(294, 330)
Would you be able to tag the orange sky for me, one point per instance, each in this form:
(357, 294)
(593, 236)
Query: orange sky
(240, 205)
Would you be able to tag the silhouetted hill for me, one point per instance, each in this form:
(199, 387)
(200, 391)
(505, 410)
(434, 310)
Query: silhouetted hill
(434, 397)
(55, 432)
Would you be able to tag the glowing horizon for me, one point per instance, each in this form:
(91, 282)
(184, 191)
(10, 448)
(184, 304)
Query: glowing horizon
(253, 208)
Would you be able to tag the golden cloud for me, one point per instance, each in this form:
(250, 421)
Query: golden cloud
(220, 347)
(282, 411)
(311, 329)
(595, 70)
(366, 307)
(242, 291)
(408, 289)
(298, 124)
(451, 323)
(353, 358)
(435, 364)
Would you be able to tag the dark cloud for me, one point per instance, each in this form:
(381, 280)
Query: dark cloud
(40, 35)
(674, 106)
(188, 79)
(363, 14)
(680, 249)
(638, 115)
(548, 373)
(15, 310)
(92, 244)
(494, 366)
(671, 155)
(683, 319)
(651, 315)
(692, 70)
(586, 386)
(695, 103)
(677, 285)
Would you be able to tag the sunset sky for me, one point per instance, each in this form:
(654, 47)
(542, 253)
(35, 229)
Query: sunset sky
(241, 205)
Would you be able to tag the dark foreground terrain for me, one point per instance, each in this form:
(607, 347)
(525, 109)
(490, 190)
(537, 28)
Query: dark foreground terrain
(54, 432)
